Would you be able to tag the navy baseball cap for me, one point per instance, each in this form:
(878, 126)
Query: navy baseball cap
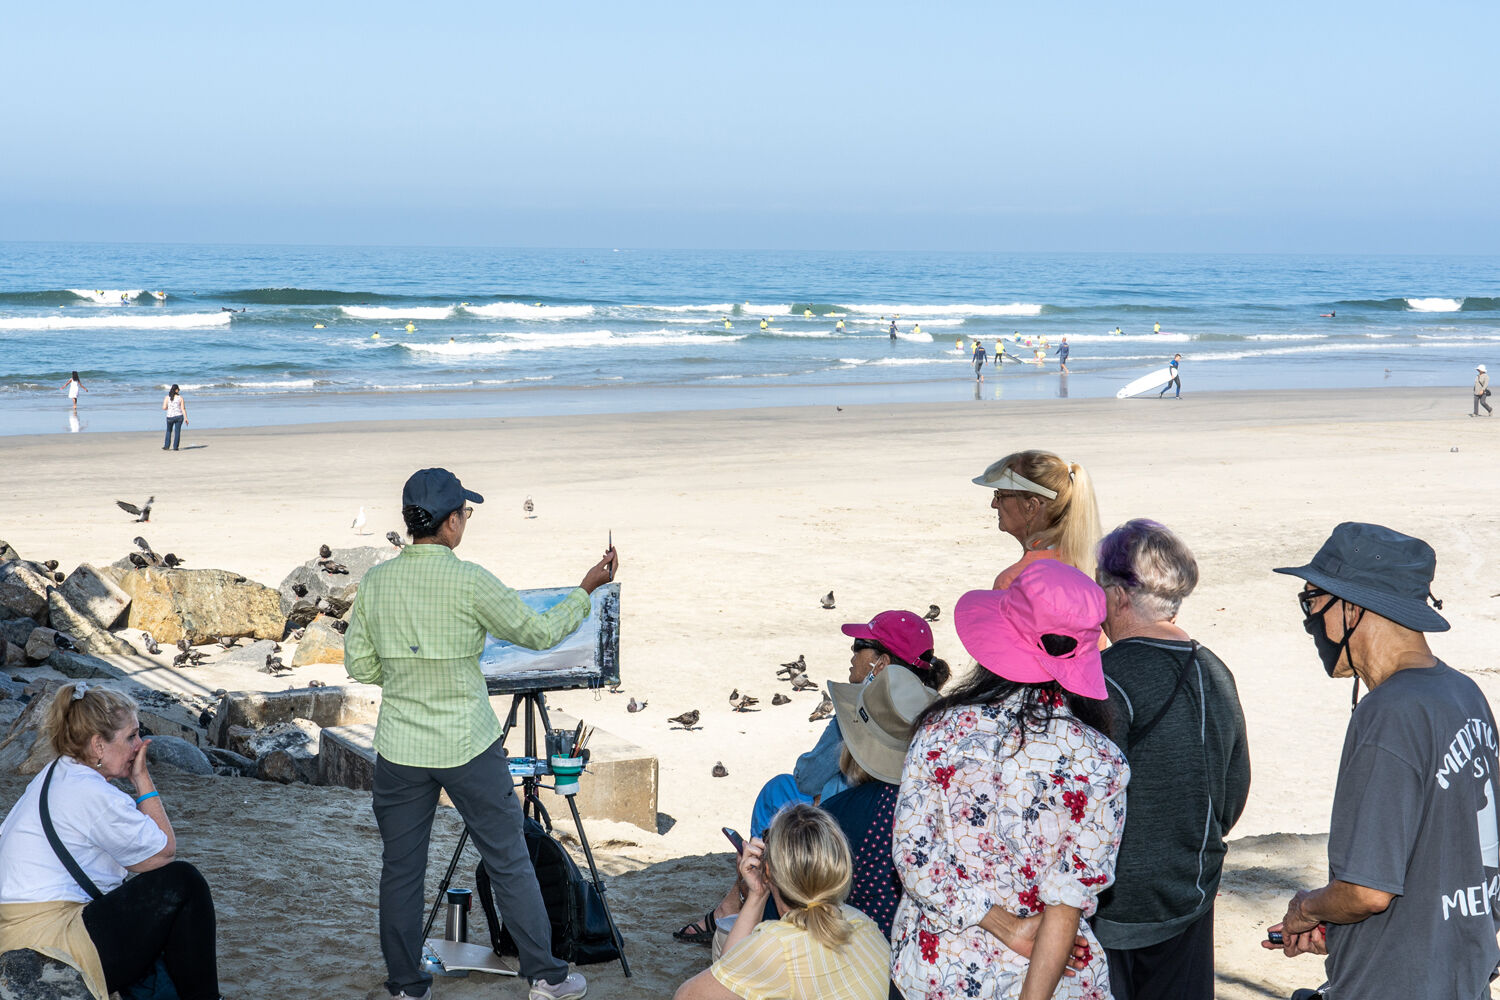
(437, 491)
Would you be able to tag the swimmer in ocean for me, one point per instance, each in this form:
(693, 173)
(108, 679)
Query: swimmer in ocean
(1327, 315)
(893, 330)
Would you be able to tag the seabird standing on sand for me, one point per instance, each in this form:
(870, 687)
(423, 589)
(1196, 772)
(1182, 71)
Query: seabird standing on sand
(803, 683)
(142, 513)
(358, 524)
(933, 613)
(780, 699)
(789, 670)
(826, 600)
(720, 771)
(687, 720)
(823, 711)
(150, 643)
(528, 508)
(635, 706)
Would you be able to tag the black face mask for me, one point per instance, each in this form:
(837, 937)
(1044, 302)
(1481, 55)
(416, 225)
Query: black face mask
(1329, 652)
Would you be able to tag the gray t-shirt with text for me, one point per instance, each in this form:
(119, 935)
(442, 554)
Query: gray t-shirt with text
(1414, 814)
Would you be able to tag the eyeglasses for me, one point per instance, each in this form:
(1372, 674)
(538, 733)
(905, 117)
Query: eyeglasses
(1010, 495)
(860, 644)
(1306, 598)
(468, 512)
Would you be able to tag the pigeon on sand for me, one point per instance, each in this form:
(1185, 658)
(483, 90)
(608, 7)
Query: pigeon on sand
(635, 706)
(687, 720)
(528, 508)
(933, 613)
(779, 699)
(824, 709)
(720, 771)
(803, 683)
(792, 669)
(827, 600)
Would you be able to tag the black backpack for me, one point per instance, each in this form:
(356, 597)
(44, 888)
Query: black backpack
(580, 927)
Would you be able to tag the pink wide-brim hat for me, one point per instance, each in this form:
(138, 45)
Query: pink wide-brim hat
(1003, 629)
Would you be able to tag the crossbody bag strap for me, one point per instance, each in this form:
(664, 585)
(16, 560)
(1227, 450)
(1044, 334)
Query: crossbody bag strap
(1137, 735)
(72, 866)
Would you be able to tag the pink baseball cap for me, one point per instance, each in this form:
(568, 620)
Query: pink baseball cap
(1003, 629)
(903, 633)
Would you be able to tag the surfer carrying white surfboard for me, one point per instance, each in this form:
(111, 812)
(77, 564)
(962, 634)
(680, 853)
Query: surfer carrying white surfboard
(1176, 378)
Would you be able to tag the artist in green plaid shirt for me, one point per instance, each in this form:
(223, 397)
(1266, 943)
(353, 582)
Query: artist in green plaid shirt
(417, 628)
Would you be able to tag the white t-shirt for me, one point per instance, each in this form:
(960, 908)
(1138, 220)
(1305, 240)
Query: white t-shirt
(174, 406)
(98, 824)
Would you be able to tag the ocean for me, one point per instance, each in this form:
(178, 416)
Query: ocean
(283, 334)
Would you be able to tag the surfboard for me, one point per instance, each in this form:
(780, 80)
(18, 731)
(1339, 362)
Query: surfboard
(1145, 383)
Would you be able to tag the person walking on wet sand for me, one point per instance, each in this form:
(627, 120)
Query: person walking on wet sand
(1062, 355)
(1176, 378)
(74, 384)
(979, 359)
(1481, 392)
(176, 409)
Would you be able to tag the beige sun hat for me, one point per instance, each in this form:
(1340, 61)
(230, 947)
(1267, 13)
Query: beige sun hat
(876, 719)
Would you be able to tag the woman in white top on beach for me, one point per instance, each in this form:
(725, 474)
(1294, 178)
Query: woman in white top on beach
(73, 385)
(176, 408)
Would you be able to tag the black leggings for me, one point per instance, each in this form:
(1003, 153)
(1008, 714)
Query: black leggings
(165, 913)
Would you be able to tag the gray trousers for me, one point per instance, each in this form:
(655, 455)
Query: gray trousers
(405, 801)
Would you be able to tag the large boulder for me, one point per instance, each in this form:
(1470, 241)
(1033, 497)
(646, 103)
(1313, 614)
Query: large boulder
(252, 657)
(340, 585)
(178, 753)
(30, 975)
(81, 665)
(95, 596)
(321, 643)
(7, 553)
(21, 750)
(89, 636)
(202, 604)
(41, 644)
(23, 591)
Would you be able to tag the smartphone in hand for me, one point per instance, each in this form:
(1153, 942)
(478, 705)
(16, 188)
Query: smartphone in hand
(735, 839)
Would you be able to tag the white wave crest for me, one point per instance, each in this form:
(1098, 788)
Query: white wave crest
(107, 296)
(398, 312)
(752, 310)
(717, 308)
(1435, 305)
(576, 338)
(1287, 336)
(130, 321)
(916, 338)
(520, 310)
(961, 309)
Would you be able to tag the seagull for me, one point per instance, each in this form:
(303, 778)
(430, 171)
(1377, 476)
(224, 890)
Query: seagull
(528, 508)
(824, 709)
(687, 720)
(933, 613)
(635, 706)
(324, 552)
(803, 683)
(779, 699)
(395, 539)
(827, 600)
(172, 560)
(142, 513)
(358, 524)
(720, 771)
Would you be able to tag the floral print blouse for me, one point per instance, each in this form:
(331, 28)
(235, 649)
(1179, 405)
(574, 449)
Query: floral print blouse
(982, 820)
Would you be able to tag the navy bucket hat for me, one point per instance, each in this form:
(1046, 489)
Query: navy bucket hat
(1379, 570)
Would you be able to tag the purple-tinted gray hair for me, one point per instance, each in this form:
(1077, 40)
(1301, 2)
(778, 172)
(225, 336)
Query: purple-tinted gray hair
(1151, 564)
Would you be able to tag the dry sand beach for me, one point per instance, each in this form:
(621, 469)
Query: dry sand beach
(730, 525)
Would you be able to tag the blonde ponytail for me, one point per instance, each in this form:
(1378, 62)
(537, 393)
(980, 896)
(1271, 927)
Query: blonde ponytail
(79, 711)
(1072, 527)
(809, 862)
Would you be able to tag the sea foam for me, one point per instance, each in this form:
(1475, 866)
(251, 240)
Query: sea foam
(398, 312)
(1435, 305)
(117, 321)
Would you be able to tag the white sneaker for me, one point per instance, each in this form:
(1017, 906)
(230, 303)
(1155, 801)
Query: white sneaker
(575, 987)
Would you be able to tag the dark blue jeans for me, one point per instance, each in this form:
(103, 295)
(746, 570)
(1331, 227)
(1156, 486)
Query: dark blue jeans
(174, 433)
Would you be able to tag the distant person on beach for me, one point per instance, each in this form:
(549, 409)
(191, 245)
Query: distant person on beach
(1413, 839)
(1481, 392)
(1012, 803)
(978, 360)
(176, 409)
(1176, 715)
(893, 330)
(73, 384)
(1176, 378)
(64, 889)
(416, 630)
(1156, 329)
(1062, 355)
(1048, 506)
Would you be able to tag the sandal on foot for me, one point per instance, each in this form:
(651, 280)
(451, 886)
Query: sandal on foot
(699, 931)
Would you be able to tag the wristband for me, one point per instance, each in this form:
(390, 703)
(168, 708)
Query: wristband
(148, 795)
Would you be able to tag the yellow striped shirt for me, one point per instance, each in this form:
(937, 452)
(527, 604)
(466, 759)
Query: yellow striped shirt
(780, 961)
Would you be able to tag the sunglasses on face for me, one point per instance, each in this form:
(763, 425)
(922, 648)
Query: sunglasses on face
(1010, 495)
(1308, 596)
(860, 644)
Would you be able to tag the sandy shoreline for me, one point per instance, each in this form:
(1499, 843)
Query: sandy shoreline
(730, 524)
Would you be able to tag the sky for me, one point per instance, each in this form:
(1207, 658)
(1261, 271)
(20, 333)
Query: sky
(1270, 127)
